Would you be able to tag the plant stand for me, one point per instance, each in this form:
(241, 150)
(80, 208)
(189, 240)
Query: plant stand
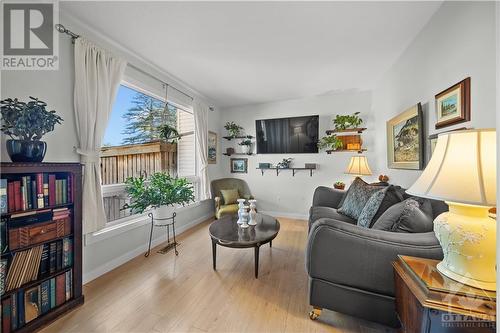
(167, 225)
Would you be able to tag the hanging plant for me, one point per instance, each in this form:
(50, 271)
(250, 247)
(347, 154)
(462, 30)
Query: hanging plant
(330, 142)
(343, 122)
(169, 134)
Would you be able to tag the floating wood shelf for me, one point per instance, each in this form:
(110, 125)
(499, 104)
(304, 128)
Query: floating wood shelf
(240, 154)
(294, 170)
(238, 137)
(359, 151)
(349, 130)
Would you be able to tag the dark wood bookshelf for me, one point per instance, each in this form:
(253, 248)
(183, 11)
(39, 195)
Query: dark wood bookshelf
(15, 171)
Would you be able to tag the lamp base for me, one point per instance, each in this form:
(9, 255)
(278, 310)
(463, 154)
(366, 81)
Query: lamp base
(468, 238)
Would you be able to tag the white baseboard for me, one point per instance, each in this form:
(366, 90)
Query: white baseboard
(286, 214)
(110, 265)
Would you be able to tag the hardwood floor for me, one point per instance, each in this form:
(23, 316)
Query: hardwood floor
(164, 293)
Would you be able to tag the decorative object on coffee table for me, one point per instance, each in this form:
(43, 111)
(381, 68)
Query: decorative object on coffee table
(339, 185)
(225, 232)
(462, 172)
(241, 209)
(26, 124)
(358, 166)
(453, 104)
(405, 140)
(244, 218)
(428, 301)
(253, 212)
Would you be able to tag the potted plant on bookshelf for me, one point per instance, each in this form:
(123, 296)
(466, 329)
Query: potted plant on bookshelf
(26, 124)
(343, 122)
(233, 129)
(330, 142)
(246, 146)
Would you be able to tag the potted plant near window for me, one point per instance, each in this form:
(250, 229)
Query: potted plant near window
(343, 122)
(169, 133)
(233, 129)
(26, 124)
(246, 146)
(330, 142)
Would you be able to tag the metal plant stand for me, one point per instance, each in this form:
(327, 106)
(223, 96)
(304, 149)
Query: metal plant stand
(158, 222)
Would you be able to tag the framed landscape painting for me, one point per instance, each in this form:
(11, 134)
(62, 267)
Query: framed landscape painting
(239, 165)
(453, 104)
(212, 147)
(405, 140)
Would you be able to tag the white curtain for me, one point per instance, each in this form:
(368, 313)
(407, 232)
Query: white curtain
(201, 132)
(97, 78)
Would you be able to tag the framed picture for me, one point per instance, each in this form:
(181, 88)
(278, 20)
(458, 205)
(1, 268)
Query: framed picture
(453, 104)
(212, 147)
(405, 140)
(239, 165)
(434, 137)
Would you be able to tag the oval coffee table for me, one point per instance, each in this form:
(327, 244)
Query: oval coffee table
(226, 232)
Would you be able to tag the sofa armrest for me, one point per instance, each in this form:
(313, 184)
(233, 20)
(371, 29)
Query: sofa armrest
(327, 197)
(362, 258)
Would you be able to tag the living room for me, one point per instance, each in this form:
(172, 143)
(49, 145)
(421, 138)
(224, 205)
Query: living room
(270, 103)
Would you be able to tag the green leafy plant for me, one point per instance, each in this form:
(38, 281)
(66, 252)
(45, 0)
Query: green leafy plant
(27, 121)
(285, 164)
(245, 142)
(343, 122)
(169, 133)
(330, 142)
(160, 189)
(233, 129)
(339, 183)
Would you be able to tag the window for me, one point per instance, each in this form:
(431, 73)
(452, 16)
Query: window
(132, 144)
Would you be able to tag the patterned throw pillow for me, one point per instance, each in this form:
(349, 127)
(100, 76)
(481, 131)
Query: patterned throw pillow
(371, 208)
(413, 219)
(230, 196)
(356, 198)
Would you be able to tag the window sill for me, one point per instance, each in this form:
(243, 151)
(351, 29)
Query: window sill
(126, 224)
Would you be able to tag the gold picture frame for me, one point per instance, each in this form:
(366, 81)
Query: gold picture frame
(405, 140)
(212, 147)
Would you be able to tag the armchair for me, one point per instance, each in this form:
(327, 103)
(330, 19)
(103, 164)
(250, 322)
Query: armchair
(221, 208)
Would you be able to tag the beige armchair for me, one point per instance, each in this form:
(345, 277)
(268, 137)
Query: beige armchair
(221, 208)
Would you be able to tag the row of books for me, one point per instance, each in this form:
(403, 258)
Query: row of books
(26, 305)
(36, 262)
(35, 192)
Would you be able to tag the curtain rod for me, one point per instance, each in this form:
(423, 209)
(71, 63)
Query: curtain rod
(62, 29)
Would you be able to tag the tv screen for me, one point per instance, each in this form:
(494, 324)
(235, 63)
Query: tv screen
(287, 135)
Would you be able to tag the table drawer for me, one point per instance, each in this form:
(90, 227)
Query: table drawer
(38, 233)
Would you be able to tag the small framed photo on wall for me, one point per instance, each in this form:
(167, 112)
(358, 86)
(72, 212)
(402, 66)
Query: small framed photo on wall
(212, 147)
(239, 165)
(453, 104)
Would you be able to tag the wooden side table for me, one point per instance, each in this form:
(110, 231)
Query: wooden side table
(427, 301)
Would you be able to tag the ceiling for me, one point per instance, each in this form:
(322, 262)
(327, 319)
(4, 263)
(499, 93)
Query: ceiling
(238, 53)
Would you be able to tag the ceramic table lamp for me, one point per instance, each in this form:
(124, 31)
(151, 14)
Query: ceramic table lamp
(358, 166)
(462, 172)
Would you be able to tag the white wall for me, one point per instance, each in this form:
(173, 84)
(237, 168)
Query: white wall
(286, 195)
(458, 42)
(56, 88)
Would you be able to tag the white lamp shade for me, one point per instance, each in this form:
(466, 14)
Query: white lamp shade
(462, 169)
(358, 166)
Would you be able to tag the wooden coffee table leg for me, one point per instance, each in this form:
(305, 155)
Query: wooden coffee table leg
(257, 261)
(214, 253)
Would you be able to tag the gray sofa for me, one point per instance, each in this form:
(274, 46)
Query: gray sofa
(350, 267)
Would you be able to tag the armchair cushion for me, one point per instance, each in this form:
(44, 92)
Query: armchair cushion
(230, 196)
(356, 198)
(227, 210)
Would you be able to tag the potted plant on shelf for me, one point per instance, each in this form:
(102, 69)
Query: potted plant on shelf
(246, 146)
(330, 142)
(233, 129)
(285, 164)
(26, 124)
(160, 189)
(339, 185)
(169, 133)
(343, 122)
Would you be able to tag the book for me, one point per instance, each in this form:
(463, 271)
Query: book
(27, 192)
(52, 257)
(24, 197)
(3, 275)
(11, 201)
(44, 261)
(64, 188)
(31, 303)
(45, 296)
(52, 190)
(6, 315)
(52, 291)
(4, 206)
(3, 235)
(17, 196)
(34, 202)
(20, 308)
(39, 190)
(69, 284)
(60, 289)
(59, 253)
(46, 189)
(14, 322)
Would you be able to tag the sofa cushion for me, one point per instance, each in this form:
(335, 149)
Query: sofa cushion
(405, 216)
(319, 212)
(230, 196)
(357, 196)
(371, 208)
(389, 217)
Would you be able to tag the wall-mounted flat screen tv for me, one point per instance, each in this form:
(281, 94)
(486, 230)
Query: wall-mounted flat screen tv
(287, 135)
